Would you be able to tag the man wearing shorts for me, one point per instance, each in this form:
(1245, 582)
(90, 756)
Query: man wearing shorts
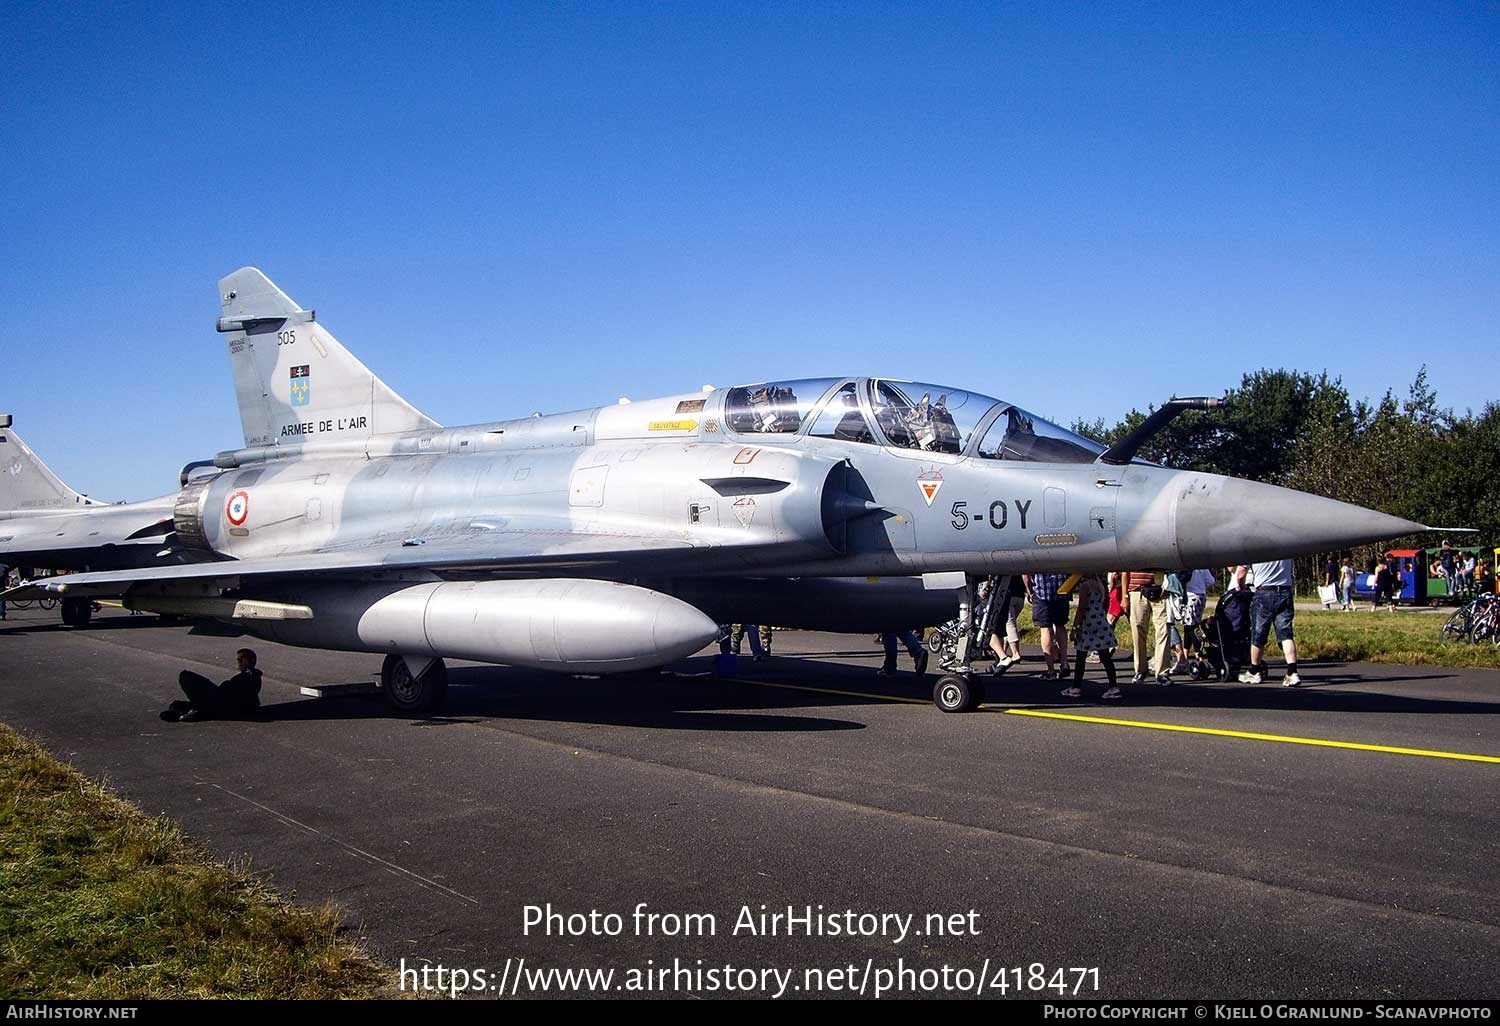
(1271, 604)
(1049, 611)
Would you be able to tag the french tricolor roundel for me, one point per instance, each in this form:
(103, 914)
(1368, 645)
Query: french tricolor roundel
(238, 508)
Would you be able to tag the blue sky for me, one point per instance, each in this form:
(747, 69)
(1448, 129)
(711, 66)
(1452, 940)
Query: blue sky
(512, 207)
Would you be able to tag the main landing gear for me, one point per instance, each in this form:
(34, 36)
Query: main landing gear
(76, 612)
(414, 684)
(958, 692)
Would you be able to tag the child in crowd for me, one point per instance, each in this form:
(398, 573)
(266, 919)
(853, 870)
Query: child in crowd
(1092, 633)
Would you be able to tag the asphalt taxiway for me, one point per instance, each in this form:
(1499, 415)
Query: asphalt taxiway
(1334, 841)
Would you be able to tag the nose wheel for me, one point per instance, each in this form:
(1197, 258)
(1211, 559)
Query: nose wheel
(958, 692)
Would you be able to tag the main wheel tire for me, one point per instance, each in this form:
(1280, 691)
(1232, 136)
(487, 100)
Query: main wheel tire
(408, 694)
(76, 612)
(957, 692)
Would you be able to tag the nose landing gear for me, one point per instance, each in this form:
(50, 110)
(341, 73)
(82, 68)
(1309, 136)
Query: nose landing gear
(958, 692)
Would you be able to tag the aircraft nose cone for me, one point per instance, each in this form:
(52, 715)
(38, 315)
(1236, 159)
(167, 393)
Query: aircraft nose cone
(1253, 522)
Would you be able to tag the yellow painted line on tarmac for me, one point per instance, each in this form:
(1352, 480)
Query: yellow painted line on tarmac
(1281, 738)
(1144, 724)
(110, 602)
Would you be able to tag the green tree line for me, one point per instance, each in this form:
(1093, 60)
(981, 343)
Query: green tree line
(1410, 457)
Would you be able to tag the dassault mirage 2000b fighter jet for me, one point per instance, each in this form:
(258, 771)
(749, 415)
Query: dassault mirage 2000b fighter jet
(616, 538)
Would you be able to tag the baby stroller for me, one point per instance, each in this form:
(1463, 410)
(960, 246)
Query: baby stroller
(1189, 635)
(1227, 634)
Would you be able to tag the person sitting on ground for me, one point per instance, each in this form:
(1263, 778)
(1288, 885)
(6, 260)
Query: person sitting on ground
(236, 697)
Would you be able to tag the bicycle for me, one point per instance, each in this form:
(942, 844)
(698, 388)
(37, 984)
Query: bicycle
(1458, 626)
(1476, 621)
(1486, 625)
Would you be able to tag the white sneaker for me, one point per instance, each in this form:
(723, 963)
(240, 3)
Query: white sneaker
(1250, 677)
(1073, 692)
(1293, 680)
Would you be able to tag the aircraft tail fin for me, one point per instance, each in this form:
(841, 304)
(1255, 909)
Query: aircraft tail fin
(293, 380)
(27, 485)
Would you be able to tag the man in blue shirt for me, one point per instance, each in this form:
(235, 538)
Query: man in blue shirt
(1271, 603)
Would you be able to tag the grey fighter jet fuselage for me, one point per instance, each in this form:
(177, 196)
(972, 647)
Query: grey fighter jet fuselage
(617, 537)
(46, 525)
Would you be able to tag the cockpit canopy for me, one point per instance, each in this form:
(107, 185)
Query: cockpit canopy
(903, 415)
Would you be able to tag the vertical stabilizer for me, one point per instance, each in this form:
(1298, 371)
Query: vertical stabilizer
(294, 381)
(27, 485)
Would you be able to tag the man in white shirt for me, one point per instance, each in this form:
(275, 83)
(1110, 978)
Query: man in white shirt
(1271, 604)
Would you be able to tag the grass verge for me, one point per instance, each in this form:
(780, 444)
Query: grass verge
(1411, 639)
(99, 901)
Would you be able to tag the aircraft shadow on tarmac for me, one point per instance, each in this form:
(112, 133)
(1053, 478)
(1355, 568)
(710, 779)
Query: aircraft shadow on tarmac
(669, 702)
(1326, 690)
(761, 697)
(109, 623)
(49, 623)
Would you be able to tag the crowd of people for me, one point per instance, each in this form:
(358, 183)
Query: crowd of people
(1076, 617)
(1166, 616)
